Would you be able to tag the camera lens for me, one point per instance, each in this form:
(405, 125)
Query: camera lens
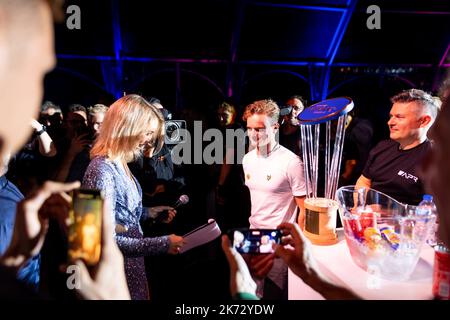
(172, 133)
(175, 131)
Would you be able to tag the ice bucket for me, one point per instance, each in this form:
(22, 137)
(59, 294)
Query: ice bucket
(383, 235)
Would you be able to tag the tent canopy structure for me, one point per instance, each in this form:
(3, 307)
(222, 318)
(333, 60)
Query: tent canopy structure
(234, 47)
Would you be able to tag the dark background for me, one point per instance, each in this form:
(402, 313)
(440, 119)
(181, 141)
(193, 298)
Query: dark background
(194, 54)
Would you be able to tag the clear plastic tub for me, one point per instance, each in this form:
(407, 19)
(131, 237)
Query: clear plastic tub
(383, 235)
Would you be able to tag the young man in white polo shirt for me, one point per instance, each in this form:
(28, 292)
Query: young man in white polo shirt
(274, 176)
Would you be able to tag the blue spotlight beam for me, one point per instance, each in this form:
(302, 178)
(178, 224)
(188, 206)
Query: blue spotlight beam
(139, 59)
(298, 7)
(84, 57)
(340, 32)
(115, 83)
(117, 33)
(235, 38)
(318, 75)
(333, 49)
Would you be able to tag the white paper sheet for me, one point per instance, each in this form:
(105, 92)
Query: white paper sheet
(201, 235)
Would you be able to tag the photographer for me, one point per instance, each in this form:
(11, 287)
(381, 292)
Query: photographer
(77, 138)
(290, 130)
(31, 166)
(156, 172)
(80, 162)
(46, 146)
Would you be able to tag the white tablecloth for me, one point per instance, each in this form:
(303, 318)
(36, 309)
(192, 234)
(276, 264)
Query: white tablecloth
(336, 263)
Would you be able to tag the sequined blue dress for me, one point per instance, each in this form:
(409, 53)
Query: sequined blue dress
(125, 198)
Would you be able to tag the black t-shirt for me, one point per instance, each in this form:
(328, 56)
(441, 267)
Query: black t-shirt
(395, 172)
(357, 145)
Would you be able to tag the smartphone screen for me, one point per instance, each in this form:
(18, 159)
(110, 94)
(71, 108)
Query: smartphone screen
(85, 226)
(255, 240)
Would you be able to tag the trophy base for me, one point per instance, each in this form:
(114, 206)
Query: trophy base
(321, 240)
(320, 221)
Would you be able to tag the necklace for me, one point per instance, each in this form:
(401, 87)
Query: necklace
(269, 152)
(275, 147)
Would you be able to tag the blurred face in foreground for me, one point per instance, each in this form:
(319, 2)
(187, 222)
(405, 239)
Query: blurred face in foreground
(27, 54)
(436, 170)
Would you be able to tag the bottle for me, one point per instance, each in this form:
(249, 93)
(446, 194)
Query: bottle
(441, 280)
(427, 207)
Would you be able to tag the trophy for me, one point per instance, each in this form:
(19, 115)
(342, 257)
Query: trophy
(321, 211)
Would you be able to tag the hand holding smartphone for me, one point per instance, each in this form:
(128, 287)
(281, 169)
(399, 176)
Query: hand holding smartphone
(255, 241)
(85, 226)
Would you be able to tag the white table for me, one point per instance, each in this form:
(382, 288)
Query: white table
(336, 263)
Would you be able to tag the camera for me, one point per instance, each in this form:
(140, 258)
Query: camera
(255, 241)
(175, 131)
(285, 110)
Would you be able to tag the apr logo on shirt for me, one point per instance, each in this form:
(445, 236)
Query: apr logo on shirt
(407, 176)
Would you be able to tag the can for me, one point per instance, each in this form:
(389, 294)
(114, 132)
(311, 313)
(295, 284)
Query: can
(441, 273)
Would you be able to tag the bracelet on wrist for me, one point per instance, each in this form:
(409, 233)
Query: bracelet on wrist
(41, 131)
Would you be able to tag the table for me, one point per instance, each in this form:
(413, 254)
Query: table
(337, 264)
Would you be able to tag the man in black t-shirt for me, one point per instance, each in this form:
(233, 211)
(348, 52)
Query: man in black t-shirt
(394, 171)
(392, 164)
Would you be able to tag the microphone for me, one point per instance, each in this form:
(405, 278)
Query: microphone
(182, 200)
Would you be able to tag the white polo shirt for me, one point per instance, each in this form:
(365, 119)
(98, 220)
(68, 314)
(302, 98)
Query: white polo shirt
(273, 182)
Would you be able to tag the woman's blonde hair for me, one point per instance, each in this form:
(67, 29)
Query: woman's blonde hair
(125, 122)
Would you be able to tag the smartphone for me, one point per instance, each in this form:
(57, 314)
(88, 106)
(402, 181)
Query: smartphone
(85, 228)
(255, 241)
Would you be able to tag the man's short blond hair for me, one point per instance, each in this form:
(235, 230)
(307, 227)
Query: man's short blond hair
(267, 107)
(97, 108)
(125, 122)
